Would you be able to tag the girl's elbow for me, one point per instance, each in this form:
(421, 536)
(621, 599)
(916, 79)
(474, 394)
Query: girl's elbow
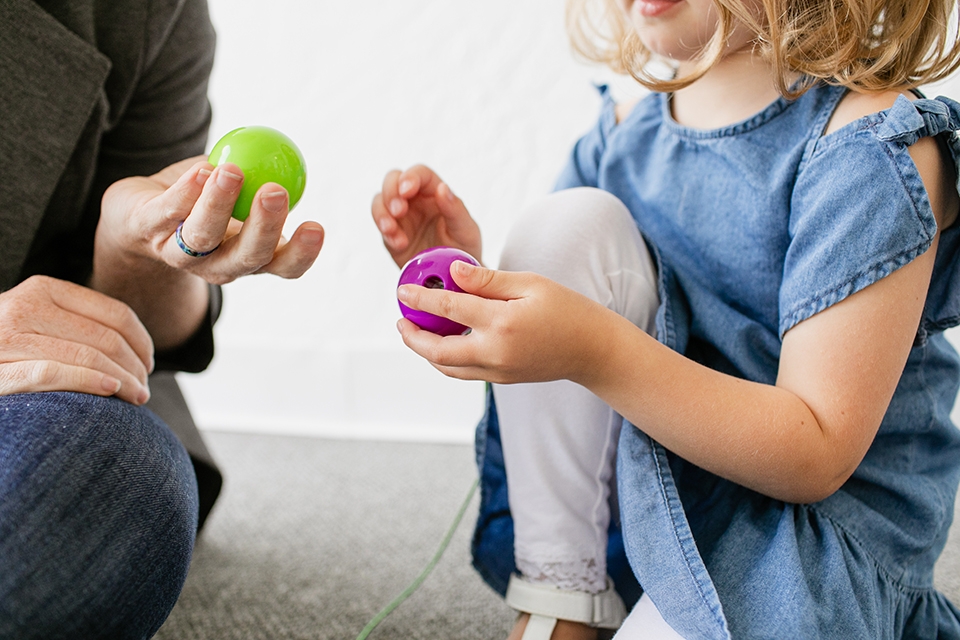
(822, 485)
(825, 469)
(816, 492)
(819, 482)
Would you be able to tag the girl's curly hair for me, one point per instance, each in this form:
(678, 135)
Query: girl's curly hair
(865, 45)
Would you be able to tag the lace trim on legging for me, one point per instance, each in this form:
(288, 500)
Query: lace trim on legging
(570, 575)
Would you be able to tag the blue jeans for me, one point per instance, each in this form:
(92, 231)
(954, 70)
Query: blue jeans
(98, 517)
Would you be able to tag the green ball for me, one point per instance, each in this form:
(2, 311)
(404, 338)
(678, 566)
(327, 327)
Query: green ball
(264, 155)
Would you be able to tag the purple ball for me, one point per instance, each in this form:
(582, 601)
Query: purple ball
(431, 269)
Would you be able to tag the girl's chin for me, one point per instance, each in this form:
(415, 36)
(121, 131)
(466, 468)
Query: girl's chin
(669, 52)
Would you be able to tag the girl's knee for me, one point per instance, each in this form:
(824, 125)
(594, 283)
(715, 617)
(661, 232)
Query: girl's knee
(587, 240)
(563, 225)
(98, 516)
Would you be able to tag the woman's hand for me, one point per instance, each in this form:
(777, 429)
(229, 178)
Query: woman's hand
(524, 328)
(138, 260)
(59, 336)
(416, 211)
(140, 216)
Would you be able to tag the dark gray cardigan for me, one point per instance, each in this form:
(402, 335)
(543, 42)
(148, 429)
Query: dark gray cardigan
(92, 91)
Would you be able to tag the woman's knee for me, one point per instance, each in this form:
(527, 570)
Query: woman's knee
(98, 514)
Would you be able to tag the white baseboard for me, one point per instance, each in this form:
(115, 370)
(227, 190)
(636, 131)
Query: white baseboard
(388, 395)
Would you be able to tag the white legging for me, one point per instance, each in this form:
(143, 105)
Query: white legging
(559, 439)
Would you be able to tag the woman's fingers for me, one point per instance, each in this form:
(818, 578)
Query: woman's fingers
(29, 376)
(74, 329)
(297, 255)
(57, 335)
(260, 234)
(168, 176)
(183, 217)
(205, 222)
(255, 246)
(99, 321)
(74, 358)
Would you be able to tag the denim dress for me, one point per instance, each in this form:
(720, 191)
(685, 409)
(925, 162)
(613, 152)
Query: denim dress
(756, 227)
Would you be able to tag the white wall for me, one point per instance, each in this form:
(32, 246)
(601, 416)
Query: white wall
(487, 94)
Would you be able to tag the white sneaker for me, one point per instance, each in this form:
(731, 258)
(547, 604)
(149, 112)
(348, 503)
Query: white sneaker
(546, 604)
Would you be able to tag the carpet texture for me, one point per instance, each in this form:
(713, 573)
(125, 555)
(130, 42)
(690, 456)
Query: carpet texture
(311, 538)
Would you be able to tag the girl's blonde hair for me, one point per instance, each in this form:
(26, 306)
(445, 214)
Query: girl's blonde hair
(865, 45)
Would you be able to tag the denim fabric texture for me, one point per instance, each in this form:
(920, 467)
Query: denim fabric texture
(98, 516)
(756, 227)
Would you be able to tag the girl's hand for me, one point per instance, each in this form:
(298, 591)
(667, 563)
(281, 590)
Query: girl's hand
(59, 336)
(524, 328)
(140, 216)
(416, 210)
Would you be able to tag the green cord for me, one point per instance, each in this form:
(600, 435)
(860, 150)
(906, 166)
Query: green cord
(387, 610)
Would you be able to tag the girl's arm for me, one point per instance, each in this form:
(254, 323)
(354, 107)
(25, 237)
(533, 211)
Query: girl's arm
(801, 439)
(798, 440)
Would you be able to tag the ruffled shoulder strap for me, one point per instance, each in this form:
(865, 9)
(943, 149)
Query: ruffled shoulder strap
(906, 122)
(889, 215)
(909, 120)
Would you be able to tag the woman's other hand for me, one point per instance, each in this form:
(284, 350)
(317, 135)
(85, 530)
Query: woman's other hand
(60, 336)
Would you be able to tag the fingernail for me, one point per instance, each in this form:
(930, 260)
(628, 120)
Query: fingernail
(399, 326)
(463, 268)
(110, 384)
(383, 224)
(202, 175)
(273, 201)
(405, 186)
(143, 396)
(449, 191)
(311, 237)
(396, 207)
(403, 294)
(228, 180)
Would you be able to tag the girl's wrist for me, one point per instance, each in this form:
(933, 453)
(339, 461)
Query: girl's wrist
(608, 341)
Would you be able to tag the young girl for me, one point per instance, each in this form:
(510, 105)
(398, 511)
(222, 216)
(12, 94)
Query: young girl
(786, 465)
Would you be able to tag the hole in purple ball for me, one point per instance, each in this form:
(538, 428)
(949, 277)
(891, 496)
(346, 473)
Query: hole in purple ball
(433, 282)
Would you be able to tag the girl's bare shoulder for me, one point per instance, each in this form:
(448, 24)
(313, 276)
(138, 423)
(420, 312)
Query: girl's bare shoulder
(856, 105)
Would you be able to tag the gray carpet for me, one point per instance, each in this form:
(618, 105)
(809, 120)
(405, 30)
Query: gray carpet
(311, 538)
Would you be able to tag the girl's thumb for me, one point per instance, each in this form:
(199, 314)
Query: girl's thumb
(486, 283)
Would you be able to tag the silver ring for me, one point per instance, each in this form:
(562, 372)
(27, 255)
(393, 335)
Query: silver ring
(193, 253)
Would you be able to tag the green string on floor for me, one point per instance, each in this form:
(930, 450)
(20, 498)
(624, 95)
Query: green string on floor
(377, 619)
